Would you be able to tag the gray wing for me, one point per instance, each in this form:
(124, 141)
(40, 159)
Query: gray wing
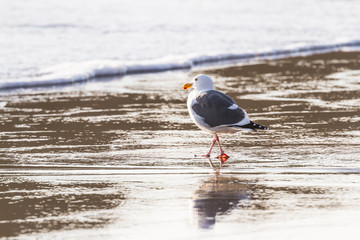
(213, 107)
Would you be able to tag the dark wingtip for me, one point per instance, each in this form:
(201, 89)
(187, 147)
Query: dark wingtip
(252, 126)
(258, 126)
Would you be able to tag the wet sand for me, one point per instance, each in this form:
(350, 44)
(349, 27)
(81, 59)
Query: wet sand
(114, 159)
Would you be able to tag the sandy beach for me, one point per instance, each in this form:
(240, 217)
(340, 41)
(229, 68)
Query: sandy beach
(114, 158)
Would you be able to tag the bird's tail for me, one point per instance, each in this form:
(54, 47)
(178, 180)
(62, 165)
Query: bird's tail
(251, 126)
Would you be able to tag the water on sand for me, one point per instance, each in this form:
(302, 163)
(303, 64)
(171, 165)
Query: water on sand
(115, 159)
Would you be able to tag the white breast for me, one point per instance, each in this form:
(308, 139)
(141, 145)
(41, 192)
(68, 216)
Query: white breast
(199, 121)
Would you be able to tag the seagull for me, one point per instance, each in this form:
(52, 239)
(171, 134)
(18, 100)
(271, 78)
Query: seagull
(215, 112)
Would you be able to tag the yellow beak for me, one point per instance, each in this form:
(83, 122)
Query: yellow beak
(187, 85)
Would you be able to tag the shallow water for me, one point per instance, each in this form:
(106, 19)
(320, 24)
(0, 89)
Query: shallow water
(115, 158)
(70, 39)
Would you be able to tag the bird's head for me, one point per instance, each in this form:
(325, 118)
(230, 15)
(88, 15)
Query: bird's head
(200, 82)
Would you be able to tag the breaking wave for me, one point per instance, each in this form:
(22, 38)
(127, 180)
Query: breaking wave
(78, 72)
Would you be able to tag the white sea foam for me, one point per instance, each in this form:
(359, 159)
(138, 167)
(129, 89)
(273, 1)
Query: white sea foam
(77, 72)
(122, 34)
(2, 104)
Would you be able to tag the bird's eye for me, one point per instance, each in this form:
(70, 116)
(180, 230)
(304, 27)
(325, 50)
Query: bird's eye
(195, 79)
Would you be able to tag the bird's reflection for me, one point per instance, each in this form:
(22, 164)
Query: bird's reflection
(219, 195)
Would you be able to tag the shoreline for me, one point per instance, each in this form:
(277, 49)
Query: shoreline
(83, 72)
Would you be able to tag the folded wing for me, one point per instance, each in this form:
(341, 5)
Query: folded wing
(218, 109)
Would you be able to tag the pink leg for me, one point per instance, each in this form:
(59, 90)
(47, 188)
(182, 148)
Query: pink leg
(218, 140)
(211, 147)
(223, 156)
